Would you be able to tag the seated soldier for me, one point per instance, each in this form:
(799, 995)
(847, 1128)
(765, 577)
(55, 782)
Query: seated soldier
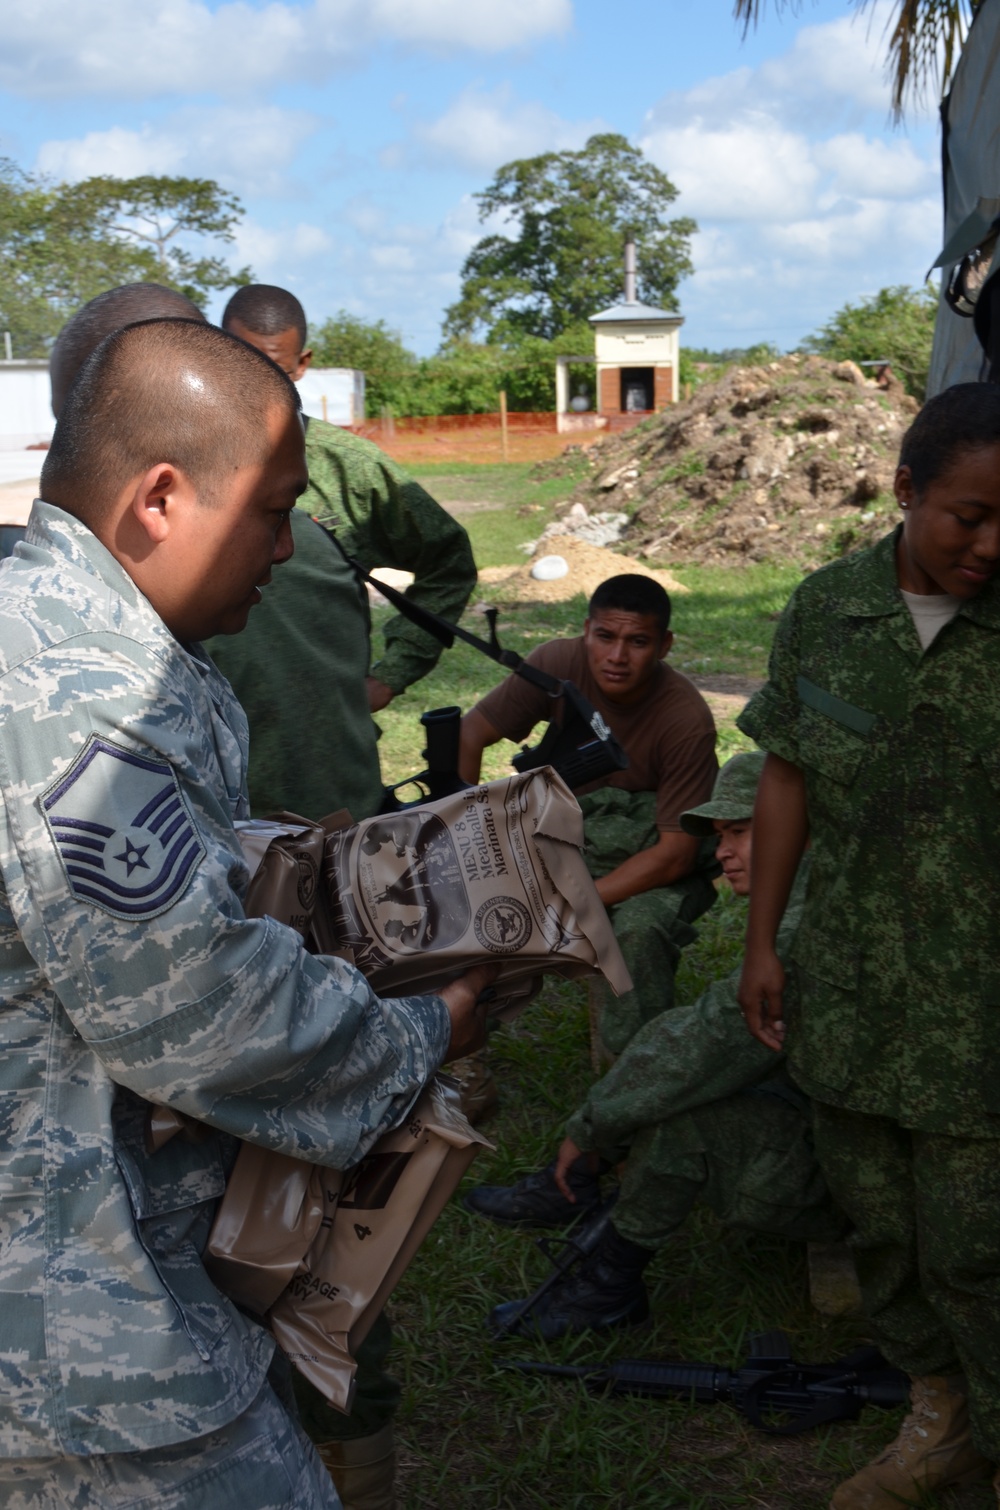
(697, 1110)
(380, 515)
(654, 878)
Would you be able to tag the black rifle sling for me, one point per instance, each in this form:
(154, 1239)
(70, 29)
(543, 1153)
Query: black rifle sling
(446, 633)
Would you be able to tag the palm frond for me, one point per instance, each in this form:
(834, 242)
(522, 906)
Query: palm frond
(925, 41)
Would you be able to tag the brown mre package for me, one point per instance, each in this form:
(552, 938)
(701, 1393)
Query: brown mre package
(320, 1252)
(495, 872)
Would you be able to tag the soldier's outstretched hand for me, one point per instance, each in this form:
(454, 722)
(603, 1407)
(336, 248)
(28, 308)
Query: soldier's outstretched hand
(762, 985)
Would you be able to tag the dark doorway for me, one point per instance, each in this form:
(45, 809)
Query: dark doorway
(637, 389)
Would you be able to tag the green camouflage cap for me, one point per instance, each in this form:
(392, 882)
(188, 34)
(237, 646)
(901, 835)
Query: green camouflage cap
(732, 796)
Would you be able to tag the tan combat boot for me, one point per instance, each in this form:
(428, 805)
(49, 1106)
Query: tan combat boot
(934, 1448)
(363, 1470)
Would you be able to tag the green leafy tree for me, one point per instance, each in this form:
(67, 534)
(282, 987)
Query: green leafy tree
(369, 345)
(60, 244)
(896, 324)
(159, 214)
(571, 212)
(925, 40)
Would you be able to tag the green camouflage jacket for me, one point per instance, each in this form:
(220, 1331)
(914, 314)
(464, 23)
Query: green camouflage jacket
(130, 974)
(298, 670)
(899, 991)
(384, 518)
(686, 1058)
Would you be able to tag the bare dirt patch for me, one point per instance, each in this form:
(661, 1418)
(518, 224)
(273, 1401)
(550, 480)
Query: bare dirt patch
(589, 566)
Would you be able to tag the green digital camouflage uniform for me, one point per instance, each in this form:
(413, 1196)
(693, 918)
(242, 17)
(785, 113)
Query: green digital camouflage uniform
(298, 671)
(131, 975)
(894, 1033)
(384, 518)
(700, 1111)
(653, 927)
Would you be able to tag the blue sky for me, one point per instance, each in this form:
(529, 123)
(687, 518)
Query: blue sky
(357, 133)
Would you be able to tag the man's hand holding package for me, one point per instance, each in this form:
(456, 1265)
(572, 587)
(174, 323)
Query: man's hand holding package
(468, 1014)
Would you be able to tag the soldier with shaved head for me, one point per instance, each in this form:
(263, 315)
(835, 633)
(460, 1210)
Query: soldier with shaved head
(131, 974)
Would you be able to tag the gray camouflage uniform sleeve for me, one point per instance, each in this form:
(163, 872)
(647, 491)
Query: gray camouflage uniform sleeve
(186, 1001)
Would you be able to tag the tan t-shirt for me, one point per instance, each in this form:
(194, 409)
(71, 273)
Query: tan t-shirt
(669, 735)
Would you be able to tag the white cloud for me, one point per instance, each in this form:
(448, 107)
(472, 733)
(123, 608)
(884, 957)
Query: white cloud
(804, 194)
(484, 128)
(479, 25)
(126, 50)
(859, 165)
(750, 170)
(283, 249)
(250, 149)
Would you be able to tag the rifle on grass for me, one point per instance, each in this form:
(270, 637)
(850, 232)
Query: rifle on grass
(776, 1394)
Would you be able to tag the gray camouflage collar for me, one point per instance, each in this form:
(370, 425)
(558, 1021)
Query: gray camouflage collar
(68, 539)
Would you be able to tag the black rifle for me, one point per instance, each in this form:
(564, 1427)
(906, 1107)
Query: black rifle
(442, 727)
(775, 1394)
(581, 748)
(570, 1252)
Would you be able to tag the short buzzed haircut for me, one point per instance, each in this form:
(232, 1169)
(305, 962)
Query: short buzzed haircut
(161, 391)
(109, 312)
(631, 593)
(266, 310)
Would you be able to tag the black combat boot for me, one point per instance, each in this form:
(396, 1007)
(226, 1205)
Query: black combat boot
(537, 1201)
(603, 1292)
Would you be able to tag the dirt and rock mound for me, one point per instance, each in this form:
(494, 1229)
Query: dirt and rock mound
(792, 461)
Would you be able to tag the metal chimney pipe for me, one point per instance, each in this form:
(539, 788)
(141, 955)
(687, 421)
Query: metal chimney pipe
(630, 272)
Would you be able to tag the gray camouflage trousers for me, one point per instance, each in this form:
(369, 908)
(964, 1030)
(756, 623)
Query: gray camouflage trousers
(260, 1461)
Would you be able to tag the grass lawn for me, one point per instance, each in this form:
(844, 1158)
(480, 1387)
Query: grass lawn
(473, 1434)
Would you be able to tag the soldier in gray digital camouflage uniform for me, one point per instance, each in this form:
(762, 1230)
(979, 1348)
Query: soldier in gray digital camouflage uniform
(298, 670)
(882, 721)
(698, 1111)
(131, 974)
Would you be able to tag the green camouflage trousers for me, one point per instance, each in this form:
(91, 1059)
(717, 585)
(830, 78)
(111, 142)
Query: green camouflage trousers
(651, 928)
(748, 1157)
(926, 1213)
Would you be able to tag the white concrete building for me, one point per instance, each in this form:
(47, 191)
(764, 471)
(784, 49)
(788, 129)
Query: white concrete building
(25, 404)
(26, 419)
(336, 394)
(637, 351)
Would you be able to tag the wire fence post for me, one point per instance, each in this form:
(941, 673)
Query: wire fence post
(503, 425)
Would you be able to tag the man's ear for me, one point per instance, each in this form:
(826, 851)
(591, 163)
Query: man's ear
(668, 640)
(156, 498)
(305, 361)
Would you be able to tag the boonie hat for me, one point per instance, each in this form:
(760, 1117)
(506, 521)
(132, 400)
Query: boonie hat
(732, 796)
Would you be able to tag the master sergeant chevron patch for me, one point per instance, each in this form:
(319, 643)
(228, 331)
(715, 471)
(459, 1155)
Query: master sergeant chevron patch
(124, 833)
